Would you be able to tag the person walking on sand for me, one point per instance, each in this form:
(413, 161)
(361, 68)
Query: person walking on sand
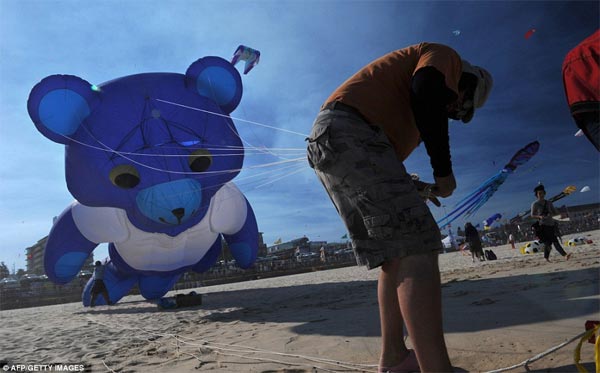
(511, 240)
(472, 237)
(544, 210)
(98, 287)
(365, 130)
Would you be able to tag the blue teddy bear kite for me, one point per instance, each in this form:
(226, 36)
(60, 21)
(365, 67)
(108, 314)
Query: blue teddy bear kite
(149, 159)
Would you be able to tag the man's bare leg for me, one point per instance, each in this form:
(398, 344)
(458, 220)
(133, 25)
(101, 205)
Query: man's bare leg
(420, 296)
(393, 349)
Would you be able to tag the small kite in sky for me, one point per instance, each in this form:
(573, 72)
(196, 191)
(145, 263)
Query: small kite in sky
(244, 53)
(456, 32)
(529, 33)
(487, 223)
(585, 189)
(579, 133)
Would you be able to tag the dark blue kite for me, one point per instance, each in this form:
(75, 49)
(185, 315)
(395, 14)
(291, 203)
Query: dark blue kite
(149, 159)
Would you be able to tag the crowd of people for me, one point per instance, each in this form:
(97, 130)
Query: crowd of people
(26, 292)
(522, 232)
(44, 292)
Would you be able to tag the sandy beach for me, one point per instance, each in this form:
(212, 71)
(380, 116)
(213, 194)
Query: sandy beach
(497, 314)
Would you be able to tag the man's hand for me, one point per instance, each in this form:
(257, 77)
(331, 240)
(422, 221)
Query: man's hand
(444, 186)
(425, 191)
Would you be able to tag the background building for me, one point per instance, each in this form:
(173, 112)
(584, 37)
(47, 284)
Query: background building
(35, 258)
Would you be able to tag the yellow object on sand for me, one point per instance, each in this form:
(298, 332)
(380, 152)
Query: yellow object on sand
(577, 353)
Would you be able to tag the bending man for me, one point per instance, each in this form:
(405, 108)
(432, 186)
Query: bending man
(366, 128)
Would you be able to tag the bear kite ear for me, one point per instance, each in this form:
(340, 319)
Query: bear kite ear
(59, 104)
(217, 79)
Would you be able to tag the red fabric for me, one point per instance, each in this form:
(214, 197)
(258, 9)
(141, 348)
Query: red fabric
(581, 74)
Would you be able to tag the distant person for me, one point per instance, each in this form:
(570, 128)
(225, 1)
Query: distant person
(472, 238)
(453, 243)
(365, 131)
(581, 78)
(98, 286)
(543, 210)
(322, 254)
(511, 241)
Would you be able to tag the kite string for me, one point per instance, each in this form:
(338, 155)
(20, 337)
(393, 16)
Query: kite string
(228, 116)
(107, 148)
(232, 129)
(268, 151)
(538, 356)
(300, 169)
(295, 160)
(229, 349)
(123, 154)
(293, 163)
(290, 162)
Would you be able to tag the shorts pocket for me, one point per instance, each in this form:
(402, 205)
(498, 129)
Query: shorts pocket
(320, 153)
(379, 227)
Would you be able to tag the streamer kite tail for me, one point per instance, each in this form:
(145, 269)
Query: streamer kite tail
(476, 199)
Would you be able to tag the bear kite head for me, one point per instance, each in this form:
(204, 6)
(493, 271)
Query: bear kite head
(157, 145)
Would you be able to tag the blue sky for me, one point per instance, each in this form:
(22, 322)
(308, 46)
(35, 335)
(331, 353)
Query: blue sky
(307, 49)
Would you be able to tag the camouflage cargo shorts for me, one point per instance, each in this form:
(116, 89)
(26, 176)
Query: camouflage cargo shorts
(371, 190)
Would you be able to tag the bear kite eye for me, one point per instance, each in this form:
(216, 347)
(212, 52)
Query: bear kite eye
(125, 176)
(200, 160)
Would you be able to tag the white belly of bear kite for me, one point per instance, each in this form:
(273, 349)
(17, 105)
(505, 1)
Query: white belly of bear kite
(158, 251)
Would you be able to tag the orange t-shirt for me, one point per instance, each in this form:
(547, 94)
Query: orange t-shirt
(380, 91)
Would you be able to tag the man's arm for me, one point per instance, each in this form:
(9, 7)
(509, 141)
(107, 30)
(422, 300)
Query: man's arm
(429, 97)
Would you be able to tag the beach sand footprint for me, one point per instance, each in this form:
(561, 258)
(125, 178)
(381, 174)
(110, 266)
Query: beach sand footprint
(459, 293)
(529, 286)
(585, 282)
(484, 302)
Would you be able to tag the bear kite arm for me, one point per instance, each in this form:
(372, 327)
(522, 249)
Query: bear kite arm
(231, 215)
(66, 249)
(244, 243)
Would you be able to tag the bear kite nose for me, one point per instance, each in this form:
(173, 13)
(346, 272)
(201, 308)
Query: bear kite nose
(179, 213)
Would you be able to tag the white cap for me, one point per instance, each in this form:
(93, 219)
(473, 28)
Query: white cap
(483, 89)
